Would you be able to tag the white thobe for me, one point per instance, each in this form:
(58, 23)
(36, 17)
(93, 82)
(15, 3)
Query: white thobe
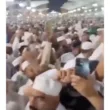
(15, 44)
(97, 54)
(71, 63)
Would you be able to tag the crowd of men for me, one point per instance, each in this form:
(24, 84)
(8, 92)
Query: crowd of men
(40, 66)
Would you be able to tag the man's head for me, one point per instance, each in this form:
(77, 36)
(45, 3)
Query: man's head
(32, 68)
(45, 94)
(87, 49)
(85, 36)
(29, 55)
(20, 32)
(76, 47)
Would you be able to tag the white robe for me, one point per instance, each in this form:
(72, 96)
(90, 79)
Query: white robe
(15, 44)
(97, 54)
(71, 63)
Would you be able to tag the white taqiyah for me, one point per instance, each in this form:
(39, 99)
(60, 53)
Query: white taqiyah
(87, 46)
(17, 61)
(24, 65)
(60, 38)
(38, 46)
(22, 44)
(68, 41)
(100, 29)
(47, 85)
(66, 57)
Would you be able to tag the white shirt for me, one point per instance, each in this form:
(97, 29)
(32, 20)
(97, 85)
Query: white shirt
(15, 44)
(97, 54)
(71, 63)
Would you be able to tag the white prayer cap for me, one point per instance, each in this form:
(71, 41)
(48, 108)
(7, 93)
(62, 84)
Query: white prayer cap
(66, 57)
(17, 61)
(43, 43)
(47, 85)
(60, 38)
(61, 28)
(38, 46)
(70, 28)
(75, 33)
(8, 45)
(24, 65)
(100, 29)
(87, 46)
(69, 41)
(85, 29)
(22, 44)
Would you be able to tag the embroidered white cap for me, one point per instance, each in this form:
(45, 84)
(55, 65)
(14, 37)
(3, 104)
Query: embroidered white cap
(47, 85)
(100, 29)
(24, 65)
(66, 57)
(60, 38)
(87, 46)
(17, 61)
(68, 41)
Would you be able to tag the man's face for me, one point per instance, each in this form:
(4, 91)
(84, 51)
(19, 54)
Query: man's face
(85, 37)
(75, 51)
(43, 102)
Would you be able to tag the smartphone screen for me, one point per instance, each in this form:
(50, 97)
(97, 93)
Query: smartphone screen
(85, 67)
(82, 67)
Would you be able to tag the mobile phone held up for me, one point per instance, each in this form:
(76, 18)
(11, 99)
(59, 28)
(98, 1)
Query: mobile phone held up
(85, 67)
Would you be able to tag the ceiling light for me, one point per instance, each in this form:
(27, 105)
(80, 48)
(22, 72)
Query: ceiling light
(28, 8)
(95, 5)
(82, 14)
(33, 10)
(90, 10)
(102, 8)
(84, 7)
(74, 10)
(21, 4)
(78, 9)
(85, 11)
(96, 9)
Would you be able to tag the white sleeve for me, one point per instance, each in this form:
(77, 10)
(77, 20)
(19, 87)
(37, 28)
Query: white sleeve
(15, 44)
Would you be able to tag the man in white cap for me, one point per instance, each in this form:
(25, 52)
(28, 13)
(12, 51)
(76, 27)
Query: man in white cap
(44, 94)
(86, 52)
(99, 51)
